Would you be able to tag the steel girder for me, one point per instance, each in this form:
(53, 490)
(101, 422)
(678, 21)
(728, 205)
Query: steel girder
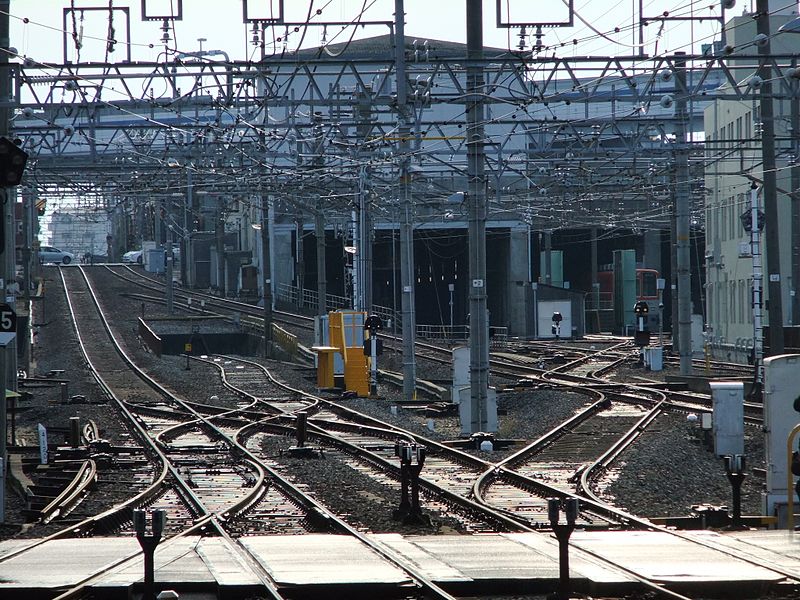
(567, 138)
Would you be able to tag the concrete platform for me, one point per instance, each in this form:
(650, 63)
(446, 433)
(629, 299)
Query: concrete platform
(327, 565)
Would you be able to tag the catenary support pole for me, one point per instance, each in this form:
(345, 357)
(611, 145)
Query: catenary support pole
(548, 257)
(673, 269)
(322, 281)
(758, 287)
(478, 335)
(770, 195)
(170, 257)
(186, 245)
(365, 246)
(28, 217)
(682, 259)
(595, 280)
(219, 237)
(406, 209)
(300, 261)
(266, 275)
(795, 199)
(6, 197)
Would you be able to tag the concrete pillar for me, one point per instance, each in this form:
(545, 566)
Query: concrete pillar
(518, 284)
(282, 250)
(547, 276)
(652, 249)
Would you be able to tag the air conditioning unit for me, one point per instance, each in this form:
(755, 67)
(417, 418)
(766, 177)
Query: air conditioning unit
(744, 250)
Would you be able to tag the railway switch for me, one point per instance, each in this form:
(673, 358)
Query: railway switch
(149, 539)
(483, 441)
(301, 434)
(302, 421)
(734, 469)
(410, 511)
(563, 531)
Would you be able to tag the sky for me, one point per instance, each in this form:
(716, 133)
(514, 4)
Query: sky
(220, 23)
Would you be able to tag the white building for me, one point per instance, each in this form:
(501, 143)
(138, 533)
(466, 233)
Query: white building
(77, 233)
(733, 159)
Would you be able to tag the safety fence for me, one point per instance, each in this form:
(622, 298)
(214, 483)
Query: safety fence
(306, 300)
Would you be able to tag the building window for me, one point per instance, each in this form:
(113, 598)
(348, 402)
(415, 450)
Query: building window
(742, 301)
(748, 126)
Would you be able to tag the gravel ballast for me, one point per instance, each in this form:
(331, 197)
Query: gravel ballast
(666, 472)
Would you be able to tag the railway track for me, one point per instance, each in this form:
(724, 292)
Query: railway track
(178, 429)
(508, 473)
(207, 476)
(449, 474)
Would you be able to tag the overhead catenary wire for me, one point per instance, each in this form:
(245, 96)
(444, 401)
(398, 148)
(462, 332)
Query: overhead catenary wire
(356, 162)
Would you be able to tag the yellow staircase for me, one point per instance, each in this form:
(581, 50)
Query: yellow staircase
(347, 333)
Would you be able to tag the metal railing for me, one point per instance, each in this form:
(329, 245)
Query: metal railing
(498, 336)
(598, 301)
(307, 300)
(287, 341)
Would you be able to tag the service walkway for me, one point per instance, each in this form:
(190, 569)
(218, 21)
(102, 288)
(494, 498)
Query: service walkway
(333, 565)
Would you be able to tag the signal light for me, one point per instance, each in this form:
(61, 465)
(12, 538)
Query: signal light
(12, 163)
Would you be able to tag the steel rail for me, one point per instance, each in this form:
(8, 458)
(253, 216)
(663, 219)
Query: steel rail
(420, 579)
(147, 442)
(612, 454)
(193, 501)
(478, 464)
(74, 491)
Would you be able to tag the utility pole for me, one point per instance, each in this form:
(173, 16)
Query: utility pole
(186, 239)
(362, 297)
(6, 208)
(478, 330)
(266, 275)
(795, 198)
(406, 230)
(219, 238)
(548, 257)
(319, 218)
(758, 287)
(322, 281)
(593, 266)
(300, 261)
(364, 252)
(28, 216)
(682, 256)
(774, 298)
(170, 257)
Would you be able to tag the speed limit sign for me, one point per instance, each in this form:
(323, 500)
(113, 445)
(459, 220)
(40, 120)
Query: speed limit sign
(8, 324)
